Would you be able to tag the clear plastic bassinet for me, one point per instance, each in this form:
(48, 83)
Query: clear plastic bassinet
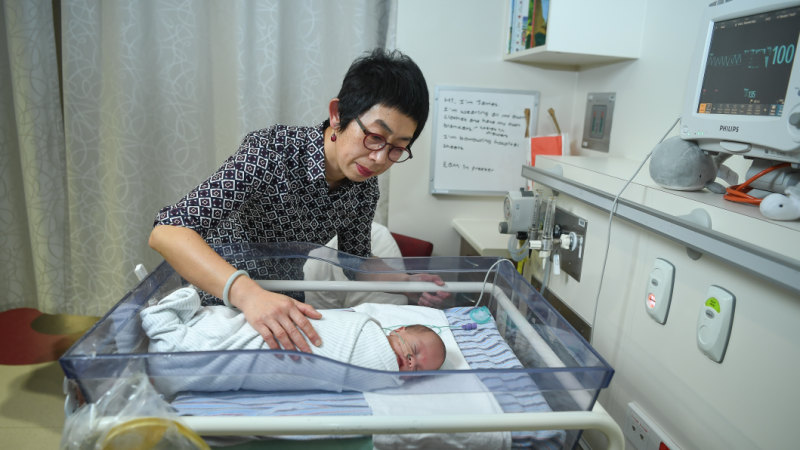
(551, 361)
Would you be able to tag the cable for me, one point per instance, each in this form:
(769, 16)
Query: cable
(483, 288)
(478, 314)
(437, 328)
(517, 248)
(739, 193)
(521, 266)
(612, 211)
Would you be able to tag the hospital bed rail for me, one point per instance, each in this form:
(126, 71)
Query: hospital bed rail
(597, 419)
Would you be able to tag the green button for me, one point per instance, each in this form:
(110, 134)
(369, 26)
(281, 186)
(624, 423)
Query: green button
(713, 303)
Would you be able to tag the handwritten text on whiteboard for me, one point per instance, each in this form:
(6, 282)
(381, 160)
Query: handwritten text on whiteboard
(480, 138)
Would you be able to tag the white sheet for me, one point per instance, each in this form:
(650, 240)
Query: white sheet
(394, 401)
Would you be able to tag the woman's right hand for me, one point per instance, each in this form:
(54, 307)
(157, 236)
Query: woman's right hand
(275, 316)
(281, 320)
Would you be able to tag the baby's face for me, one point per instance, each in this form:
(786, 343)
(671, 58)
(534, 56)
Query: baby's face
(416, 351)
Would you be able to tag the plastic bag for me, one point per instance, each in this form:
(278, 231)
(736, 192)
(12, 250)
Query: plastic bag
(131, 415)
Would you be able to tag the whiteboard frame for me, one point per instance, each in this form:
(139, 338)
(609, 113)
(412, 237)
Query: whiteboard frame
(435, 136)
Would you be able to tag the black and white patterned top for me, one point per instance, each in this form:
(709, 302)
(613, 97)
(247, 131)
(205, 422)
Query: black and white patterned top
(273, 189)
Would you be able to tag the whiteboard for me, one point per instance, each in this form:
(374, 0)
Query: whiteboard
(479, 139)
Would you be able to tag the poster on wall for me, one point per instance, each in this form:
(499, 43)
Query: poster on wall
(481, 139)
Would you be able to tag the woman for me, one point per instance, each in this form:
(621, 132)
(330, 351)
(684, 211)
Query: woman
(299, 184)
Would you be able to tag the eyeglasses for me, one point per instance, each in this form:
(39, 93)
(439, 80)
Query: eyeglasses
(375, 142)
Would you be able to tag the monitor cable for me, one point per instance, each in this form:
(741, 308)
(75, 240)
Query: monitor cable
(612, 211)
(739, 193)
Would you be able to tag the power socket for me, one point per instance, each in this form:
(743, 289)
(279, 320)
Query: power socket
(636, 429)
(643, 433)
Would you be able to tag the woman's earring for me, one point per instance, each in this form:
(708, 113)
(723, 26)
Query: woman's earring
(333, 137)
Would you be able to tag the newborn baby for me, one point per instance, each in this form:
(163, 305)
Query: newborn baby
(417, 348)
(178, 323)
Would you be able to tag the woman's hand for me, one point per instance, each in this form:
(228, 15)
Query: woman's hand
(433, 299)
(276, 317)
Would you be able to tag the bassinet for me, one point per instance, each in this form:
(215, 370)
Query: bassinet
(551, 384)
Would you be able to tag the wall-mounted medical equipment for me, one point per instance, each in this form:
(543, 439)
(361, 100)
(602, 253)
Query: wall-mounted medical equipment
(520, 211)
(714, 323)
(658, 295)
(597, 123)
(536, 224)
(743, 96)
(777, 268)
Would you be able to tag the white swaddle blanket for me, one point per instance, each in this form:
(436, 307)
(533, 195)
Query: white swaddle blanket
(178, 323)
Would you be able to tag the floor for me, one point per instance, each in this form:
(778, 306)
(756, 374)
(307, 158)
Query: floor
(31, 380)
(31, 406)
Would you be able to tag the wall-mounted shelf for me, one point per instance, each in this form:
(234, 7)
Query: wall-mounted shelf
(582, 34)
(542, 56)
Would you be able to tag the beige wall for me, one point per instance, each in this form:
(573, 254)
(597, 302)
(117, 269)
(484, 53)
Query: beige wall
(745, 402)
(460, 43)
(742, 402)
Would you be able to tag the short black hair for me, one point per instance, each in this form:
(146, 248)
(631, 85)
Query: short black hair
(388, 78)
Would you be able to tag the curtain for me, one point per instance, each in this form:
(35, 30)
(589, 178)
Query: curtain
(154, 96)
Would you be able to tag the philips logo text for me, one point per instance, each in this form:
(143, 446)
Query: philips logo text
(729, 128)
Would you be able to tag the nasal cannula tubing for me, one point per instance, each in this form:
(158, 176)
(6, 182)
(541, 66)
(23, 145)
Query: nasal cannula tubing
(438, 328)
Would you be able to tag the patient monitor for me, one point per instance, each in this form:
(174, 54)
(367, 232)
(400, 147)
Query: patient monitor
(743, 93)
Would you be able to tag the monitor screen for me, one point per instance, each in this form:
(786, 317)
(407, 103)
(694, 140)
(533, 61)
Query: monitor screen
(749, 64)
(743, 91)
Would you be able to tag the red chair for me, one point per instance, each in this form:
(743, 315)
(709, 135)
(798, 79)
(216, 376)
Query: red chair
(410, 246)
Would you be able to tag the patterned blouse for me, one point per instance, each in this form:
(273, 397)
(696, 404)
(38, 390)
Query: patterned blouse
(273, 189)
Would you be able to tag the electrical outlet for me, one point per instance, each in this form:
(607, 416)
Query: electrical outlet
(636, 429)
(643, 433)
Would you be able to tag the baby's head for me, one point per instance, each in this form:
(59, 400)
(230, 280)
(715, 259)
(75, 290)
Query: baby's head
(417, 348)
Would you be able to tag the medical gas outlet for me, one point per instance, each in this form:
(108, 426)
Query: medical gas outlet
(659, 290)
(714, 323)
(568, 242)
